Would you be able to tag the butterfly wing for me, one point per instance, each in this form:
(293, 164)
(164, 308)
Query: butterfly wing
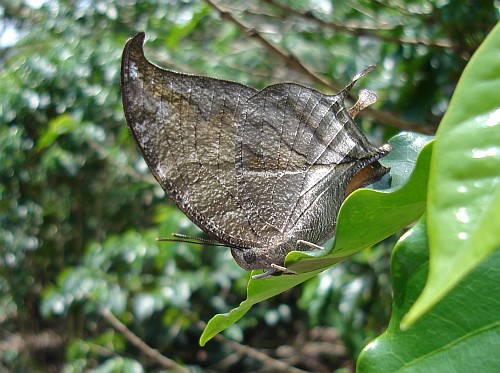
(185, 128)
(297, 151)
(255, 170)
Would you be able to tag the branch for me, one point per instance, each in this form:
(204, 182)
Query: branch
(347, 25)
(171, 364)
(358, 29)
(25, 343)
(290, 60)
(269, 362)
(152, 353)
(294, 63)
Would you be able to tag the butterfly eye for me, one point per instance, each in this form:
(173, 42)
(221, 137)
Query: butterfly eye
(249, 256)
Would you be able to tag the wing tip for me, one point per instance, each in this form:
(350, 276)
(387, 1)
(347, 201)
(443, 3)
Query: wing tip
(137, 38)
(134, 43)
(133, 50)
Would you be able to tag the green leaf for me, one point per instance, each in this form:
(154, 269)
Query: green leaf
(58, 126)
(460, 334)
(358, 226)
(464, 182)
(257, 291)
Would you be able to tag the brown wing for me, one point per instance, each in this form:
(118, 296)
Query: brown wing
(185, 128)
(297, 151)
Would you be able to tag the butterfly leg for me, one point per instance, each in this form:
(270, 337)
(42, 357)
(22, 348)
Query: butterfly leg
(283, 269)
(275, 269)
(310, 244)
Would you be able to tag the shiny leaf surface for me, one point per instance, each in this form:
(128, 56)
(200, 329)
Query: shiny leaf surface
(464, 185)
(461, 333)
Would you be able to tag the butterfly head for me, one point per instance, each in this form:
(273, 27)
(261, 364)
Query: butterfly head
(250, 258)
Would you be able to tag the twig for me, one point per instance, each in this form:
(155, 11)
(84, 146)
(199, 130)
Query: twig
(267, 360)
(171, 364)
(395, 6)
(138, 342)
(364, 30)
(290, 60)
(252, 352)
(293, 62)
(40, 342)
(347, 25)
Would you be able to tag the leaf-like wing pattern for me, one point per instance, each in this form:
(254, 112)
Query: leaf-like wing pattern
(256, 170)
(297, 151)
(185, 127)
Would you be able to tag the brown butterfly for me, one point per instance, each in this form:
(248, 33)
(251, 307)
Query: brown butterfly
(262, 172)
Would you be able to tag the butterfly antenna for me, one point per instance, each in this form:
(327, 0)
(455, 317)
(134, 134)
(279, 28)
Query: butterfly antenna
(178, 237)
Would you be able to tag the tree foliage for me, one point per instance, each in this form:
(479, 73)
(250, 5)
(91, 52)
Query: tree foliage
(80, 270)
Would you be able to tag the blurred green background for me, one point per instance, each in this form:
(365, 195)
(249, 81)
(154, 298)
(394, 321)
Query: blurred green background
(79, 210)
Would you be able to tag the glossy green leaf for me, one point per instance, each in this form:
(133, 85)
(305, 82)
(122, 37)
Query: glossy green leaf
(358, 226)
(461, 334)
(464, 184)
(257, 291)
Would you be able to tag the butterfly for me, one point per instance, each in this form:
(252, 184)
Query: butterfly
(263, 172)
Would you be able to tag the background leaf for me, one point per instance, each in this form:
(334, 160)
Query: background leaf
(464, 186)
(460, 334)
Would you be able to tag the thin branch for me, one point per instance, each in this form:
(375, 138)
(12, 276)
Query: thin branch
(347, 25)
(152, 353)
(395, 6)
(290, 60)
(268, 361)
(362, 9)
(41, 342)
(171, 364)
(364, 30)
(293, 62)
